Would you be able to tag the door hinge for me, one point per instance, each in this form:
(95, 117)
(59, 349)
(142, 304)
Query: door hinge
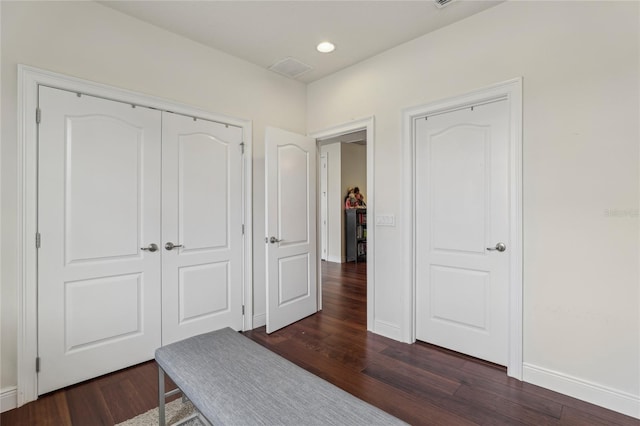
(37, 364)
(242, 309)
(38, 240)
(38, 115)
(242, 146)
(243, 229)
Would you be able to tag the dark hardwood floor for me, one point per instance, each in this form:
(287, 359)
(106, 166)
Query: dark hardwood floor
(420, 383)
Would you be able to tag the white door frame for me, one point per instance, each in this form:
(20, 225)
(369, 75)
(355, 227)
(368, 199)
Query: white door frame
(29, 78)
(324, 227)
(367, 124)
(510, 90)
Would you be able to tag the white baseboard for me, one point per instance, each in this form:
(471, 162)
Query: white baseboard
(594, 393)
(386, 329)
(337, 259)
(8, 399)
(259, 320)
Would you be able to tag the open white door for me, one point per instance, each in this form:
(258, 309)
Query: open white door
(290, 184)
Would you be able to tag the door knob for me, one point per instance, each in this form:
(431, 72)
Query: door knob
(274, 240)
(151, 247)
(498, 247)
(171, 246)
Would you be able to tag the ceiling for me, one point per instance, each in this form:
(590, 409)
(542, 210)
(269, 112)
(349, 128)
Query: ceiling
(266, 32)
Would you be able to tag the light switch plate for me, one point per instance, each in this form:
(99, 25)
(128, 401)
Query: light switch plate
(385, 220)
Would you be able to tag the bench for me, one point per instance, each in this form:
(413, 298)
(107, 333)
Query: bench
(232, 380)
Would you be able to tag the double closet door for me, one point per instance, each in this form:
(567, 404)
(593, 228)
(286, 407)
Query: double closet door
(140, 224)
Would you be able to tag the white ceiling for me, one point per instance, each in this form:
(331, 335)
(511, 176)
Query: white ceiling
(265, 32)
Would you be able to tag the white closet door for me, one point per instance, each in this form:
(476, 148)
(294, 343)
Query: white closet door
(202, 276)
(462, 231)
(99, 204)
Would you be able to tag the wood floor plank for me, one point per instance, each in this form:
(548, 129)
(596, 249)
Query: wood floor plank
(498, 404)
(122, 410)
(516, 395)
(575, 417)
(408, 376)
(56, 404)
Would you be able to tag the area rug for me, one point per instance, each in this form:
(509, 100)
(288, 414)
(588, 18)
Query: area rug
(174, 412)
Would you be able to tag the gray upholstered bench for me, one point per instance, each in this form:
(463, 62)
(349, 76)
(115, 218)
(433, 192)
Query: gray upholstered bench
(232, 380)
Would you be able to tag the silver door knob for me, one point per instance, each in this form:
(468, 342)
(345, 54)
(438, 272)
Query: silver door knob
(498, 247)
(171, 246)
(151, 247)
(274, 240)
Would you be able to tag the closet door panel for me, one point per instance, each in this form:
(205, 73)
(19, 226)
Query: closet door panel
(98, 208)
(202, 250)
(204, 170)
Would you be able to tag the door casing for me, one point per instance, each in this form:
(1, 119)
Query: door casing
(29, 78)
(324, 224)
(510, 90)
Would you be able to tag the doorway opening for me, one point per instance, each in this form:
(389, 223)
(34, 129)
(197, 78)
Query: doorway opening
(343, 186)
(343, 210)
(347, 153)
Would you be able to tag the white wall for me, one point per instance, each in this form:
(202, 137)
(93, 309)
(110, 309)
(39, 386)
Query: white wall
(354, 167)
(354, 173)
(90, 41)
(580, 66)
(346, 166)
(335, 197)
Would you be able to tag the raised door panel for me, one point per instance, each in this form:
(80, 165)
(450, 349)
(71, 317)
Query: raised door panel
(290, 287)
(204, 290)
(458, 166)
(204, 191)
(103, 171)
(460, 297)
(293, 195)
(89, 324)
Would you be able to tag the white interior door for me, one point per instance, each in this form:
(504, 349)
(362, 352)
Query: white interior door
(202, 226)
(462, 211)
(99, 207)
(324, 179)
(290, 182)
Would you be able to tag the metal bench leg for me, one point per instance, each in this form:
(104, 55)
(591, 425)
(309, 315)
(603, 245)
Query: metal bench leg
(161, 396)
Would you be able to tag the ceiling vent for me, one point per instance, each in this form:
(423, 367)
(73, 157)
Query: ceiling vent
(442, 3)
(290, 67)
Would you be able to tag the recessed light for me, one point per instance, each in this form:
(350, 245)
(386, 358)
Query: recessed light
(326, 47)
